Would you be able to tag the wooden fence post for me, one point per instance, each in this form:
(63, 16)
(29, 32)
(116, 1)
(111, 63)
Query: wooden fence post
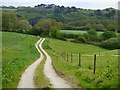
(79, 59)
(94, 63)
(67, 56)
(64, 55)
(61, 55)
(71, 57)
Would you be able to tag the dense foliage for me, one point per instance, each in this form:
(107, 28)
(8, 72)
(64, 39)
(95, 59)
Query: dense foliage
(111, 43)
(47, 20)
(71, 17)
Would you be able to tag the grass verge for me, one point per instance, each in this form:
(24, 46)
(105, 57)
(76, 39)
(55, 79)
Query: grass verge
(18, 52)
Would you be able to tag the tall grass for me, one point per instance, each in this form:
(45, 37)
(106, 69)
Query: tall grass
(18, 52)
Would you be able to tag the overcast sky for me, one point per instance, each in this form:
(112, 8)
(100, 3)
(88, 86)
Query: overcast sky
(86, 4)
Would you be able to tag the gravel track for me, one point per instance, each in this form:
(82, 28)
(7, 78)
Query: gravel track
(26, 80)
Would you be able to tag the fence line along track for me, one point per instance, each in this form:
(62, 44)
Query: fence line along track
(68, 56)
(90, 54)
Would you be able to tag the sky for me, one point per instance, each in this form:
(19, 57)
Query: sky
(86, 4)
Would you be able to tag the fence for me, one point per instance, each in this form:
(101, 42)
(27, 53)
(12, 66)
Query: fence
(69, 57)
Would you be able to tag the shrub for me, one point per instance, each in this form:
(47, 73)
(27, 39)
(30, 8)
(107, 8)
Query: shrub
(73, 36)
(92, 32)
(89, 37)
(36, 30)
(108, 34)
(112, 43)
(53, 32)
(61, 36)
(82, 39)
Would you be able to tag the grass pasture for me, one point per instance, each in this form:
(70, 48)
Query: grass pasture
(8, 9)
(106, 66)
(18, 52)
(76, 32)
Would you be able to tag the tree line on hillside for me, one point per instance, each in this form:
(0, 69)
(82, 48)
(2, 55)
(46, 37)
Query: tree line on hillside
(14, 22)
(97, 24)
(45, 25)
(50, 27)
(71, 17)
(10, 22)
(64, 14)
(61, 13)
(107, 39)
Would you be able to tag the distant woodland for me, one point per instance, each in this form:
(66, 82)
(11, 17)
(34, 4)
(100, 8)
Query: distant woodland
(69, 17)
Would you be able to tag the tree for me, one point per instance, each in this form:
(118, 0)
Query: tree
(23, 26)
(91, 36)
(88, 25)
(49, 27)
(98, 13)
(110, 13)
(112, 43)
(53, 32)
(108, 34)
(98, 27)
(73, 9)
(111, 27)
(92, 32)
(8, 21)
(36, 30)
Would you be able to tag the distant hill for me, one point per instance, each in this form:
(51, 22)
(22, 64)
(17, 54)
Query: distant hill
(70, 18)
(61, 13)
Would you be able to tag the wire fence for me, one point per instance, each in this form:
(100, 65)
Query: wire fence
(89, 59)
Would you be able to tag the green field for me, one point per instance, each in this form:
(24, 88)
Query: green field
(76, 32)
(18, 52)
(8, 9)
(106, 65)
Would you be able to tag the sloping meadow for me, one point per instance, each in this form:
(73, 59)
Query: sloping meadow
(18, 52)
(67, 65)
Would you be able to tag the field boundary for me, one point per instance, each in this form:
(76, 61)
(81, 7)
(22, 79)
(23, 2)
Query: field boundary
(68, 56)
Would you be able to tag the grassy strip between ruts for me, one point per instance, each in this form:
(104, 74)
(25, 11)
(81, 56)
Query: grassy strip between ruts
(39, 79)
(59, 67)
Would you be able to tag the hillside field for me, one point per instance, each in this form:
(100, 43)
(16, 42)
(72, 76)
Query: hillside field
(106, 65)
(9, 9)
(78, 32)
(18, 52)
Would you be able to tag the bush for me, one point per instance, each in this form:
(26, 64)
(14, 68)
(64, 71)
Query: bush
(108, 34)
(61, 36)
(53, 32)
(92, 32)
(36, 30)
(73, 36)
(112, 43)
(90, 38)
(82, 39)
